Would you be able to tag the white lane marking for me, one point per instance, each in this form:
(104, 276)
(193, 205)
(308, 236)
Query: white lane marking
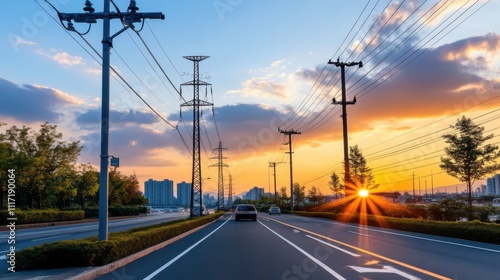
(418, 237)
(358, 233)
(318, 262)
(150, 276)
(296, 231)
(384, 269)
(46, 238)
(333, 246)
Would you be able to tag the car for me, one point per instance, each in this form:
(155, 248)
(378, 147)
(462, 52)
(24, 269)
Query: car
(274, 210)
(245, 211)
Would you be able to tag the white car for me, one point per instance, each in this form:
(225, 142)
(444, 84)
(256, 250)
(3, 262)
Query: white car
(274, 210)
(245, 211)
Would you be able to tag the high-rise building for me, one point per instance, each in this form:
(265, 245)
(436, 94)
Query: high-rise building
(254, 194)
(493, 185)
(159, 193)
(184, 194)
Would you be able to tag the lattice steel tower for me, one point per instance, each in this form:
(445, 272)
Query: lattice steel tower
(196, 189)
(220, 164)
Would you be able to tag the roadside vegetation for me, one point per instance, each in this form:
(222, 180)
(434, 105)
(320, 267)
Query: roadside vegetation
(91, 252)
(49, 178)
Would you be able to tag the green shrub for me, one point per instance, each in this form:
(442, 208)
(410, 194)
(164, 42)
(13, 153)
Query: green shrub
(43, 216)
(91, 252)
(115, 211)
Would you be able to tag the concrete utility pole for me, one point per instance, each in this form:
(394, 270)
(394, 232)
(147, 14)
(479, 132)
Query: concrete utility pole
(196, 190)
(290, 133)
(349, 189)
(273, 165)
(220, 165)
(129, 18)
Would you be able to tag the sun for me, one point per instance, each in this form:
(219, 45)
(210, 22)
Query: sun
(363, 193)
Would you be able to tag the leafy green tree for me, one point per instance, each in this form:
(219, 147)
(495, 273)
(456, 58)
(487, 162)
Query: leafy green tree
(360, 173)
(124, 190)
(6, 163)
(335, 185)
(42, 161)
(298, 194)
(314, 195)
(468, 158)
(86, 183)
(282, 196)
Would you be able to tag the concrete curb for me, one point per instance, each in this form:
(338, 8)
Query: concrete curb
(102, 270)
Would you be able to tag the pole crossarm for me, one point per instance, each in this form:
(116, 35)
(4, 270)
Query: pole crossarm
(93, 17)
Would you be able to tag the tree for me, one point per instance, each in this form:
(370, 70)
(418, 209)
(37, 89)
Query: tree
(86, 183)
(298, 194)
(314, 195)
(335, 185)
(282, 196)
(361, 174)
(43, 159)
(468, 158)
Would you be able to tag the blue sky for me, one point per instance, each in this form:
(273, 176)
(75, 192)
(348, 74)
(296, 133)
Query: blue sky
(265, 65)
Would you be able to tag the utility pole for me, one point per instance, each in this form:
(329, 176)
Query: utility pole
(432, 185)
(414, 187)
(220, 165)
(129, 18)
(196, 188)
(349, 189)
(273, 165)
(230, 195)
(290, 133)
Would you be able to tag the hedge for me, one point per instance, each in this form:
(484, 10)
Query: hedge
(43, 216)
(473, 230)
(114, 211)
(91, 252)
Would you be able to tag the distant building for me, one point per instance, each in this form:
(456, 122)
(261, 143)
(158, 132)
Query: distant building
(184, 194)
(208, 200)
(159, 193)
(254, 194)
(493, 185)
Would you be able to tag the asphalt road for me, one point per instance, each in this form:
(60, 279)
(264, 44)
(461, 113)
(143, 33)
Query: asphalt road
(26, 238)
(294, 248)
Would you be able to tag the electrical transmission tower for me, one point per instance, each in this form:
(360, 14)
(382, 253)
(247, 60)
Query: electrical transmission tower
(230, 195)
(196, 103)
(220, 164)
(290, 133)
(349, 188)
(128, 19)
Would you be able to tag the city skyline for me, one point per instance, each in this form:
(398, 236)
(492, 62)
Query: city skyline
(269, 70)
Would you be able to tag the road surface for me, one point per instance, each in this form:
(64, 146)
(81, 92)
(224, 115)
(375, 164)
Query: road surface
(294, 248)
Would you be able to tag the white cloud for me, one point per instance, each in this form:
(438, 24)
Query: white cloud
(67, 59)
(22, 41)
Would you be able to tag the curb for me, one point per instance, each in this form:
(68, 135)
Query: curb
(102, 270)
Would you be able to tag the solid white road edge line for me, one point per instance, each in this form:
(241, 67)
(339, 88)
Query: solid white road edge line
(163, 267)
(318, 262)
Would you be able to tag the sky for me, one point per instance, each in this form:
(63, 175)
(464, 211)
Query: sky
(424, 66)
